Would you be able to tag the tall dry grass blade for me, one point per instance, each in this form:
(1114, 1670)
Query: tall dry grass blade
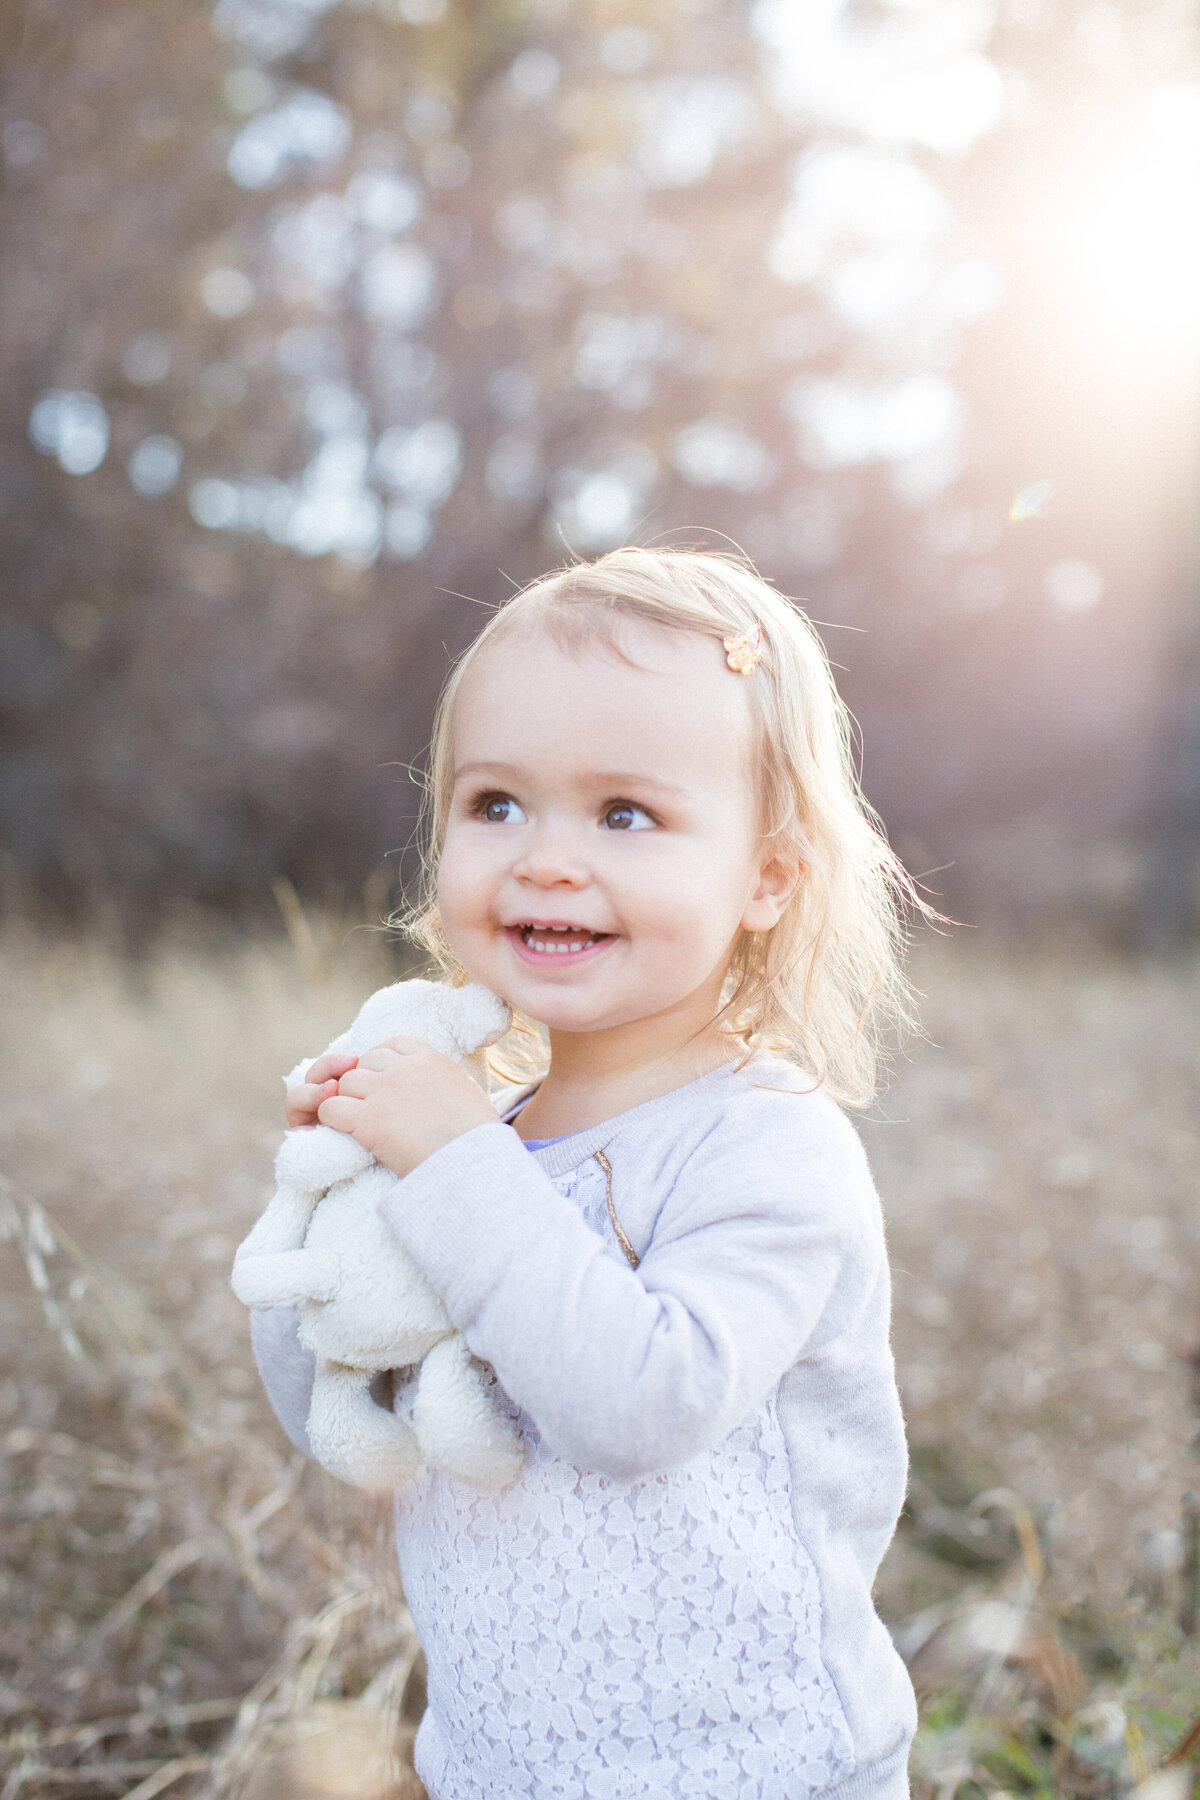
(155, 1350)
(172, 1562)
(1189, 1591)
(28, 1219)
(17, 1776)
(1186, 1748)
(109, 1773)
(1023, 1523)
(286, 1690)
(300, 932)
(175, 1717)
(24, 1222)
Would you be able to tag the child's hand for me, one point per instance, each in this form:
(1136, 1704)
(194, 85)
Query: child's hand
(404, 1101)
(301, 1104)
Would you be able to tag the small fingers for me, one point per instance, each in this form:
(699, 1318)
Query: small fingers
(384, 1056)
(301, 1103)
(339, 1111)
(329, 1067)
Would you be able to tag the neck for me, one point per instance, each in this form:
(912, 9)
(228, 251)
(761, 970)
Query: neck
(596, 1075)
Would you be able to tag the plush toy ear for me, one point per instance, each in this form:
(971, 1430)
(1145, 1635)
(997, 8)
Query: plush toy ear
(479, 1018)
(405, 1009)
(457, 1021)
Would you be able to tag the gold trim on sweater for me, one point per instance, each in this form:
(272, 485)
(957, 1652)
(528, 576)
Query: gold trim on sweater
(632, 1255)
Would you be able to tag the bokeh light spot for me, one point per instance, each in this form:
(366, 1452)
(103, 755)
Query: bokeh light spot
(25, 143)
(307, 131)
(147, 359)
(422, 462)
(214, 504)
(1032, 502)
(155, 464)
(72, 425)
(514, 469)
(1074, 586)
(384, 201)
(399, 285)
(686, 123)
(407, 531)
(228, 293)
(627, 49)
(534, 74)
(716, 453)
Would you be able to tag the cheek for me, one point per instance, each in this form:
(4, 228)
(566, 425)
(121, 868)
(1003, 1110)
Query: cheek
(694, 897)
(464, 880)
(724, 886)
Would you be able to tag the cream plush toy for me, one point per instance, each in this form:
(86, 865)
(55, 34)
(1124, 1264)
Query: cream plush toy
(364, 1305)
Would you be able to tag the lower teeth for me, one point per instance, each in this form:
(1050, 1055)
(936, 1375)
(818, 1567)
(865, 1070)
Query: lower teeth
(544, 949)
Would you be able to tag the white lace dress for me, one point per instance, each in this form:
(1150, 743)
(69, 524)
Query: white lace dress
(588, 1637)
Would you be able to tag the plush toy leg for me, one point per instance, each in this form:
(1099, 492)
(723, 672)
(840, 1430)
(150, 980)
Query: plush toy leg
(352, 1437)
(459, 1427)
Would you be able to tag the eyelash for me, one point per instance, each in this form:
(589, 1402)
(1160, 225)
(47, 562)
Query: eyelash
(477, 806)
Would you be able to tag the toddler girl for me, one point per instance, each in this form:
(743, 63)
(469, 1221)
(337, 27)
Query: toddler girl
(646, 835)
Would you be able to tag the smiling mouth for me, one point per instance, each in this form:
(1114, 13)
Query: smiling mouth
(559, 940)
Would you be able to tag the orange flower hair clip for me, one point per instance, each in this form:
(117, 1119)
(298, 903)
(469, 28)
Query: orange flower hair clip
(741, 655)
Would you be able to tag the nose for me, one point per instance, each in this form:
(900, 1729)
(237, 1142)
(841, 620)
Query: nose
(549, 860)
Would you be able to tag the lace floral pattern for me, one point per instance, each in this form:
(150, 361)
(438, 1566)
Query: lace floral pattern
(592, 1639)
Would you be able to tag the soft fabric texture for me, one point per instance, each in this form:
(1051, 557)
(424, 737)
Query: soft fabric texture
(674, 1598)
(364, 1303)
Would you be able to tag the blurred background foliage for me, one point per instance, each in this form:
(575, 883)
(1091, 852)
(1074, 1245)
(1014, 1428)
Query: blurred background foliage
(324, 322)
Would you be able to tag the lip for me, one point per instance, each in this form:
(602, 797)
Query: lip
(550, 925)
(557, 959)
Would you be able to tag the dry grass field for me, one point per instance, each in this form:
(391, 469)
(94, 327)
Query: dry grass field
(190, 1609)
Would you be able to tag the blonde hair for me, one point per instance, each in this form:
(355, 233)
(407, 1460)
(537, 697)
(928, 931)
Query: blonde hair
(825, 986)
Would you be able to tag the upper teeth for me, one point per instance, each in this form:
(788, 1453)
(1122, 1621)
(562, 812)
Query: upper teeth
(575, 938)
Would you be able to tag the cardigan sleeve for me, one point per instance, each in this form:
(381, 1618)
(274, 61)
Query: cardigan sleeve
(286, 1369)
(758, 1256)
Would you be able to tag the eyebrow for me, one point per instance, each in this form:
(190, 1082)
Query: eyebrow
(612, 778)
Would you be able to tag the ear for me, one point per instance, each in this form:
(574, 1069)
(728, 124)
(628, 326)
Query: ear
(778, 879)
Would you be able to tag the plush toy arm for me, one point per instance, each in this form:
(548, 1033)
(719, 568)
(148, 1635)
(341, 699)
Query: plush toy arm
(271, 1268)
(282, 1223)
(284, 1277)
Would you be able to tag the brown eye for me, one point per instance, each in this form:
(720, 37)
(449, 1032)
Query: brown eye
(624, 816)
(497, 809)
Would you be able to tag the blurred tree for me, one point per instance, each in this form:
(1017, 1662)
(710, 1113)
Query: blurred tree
(324, 323)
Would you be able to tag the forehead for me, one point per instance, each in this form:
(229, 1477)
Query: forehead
(653, 701)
